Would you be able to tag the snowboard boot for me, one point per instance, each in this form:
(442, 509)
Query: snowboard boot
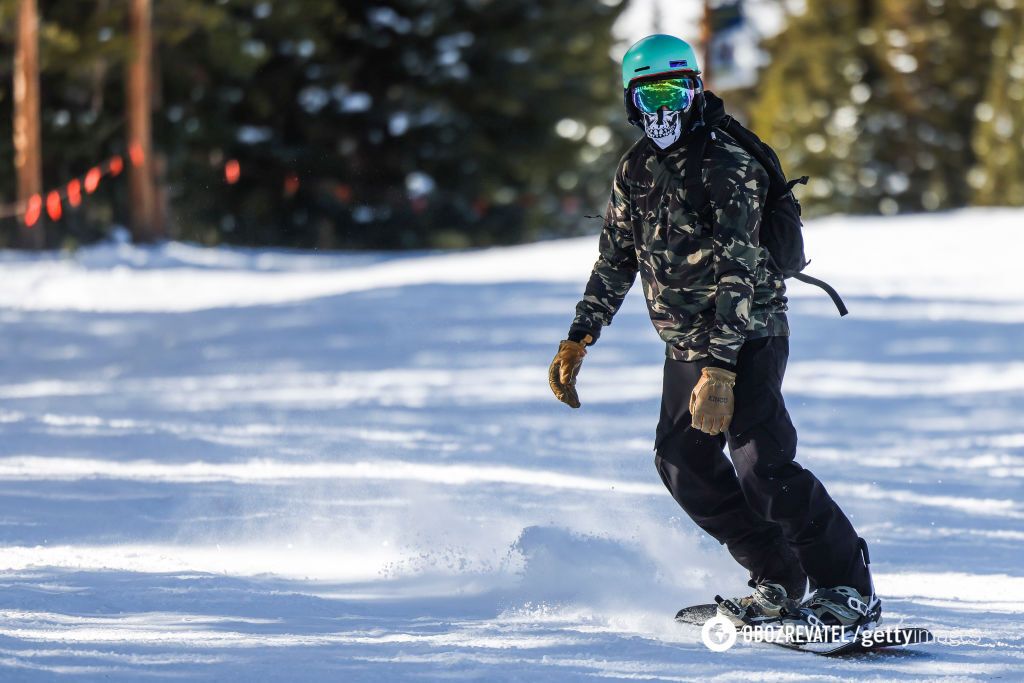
(768, 604)
(841, 606)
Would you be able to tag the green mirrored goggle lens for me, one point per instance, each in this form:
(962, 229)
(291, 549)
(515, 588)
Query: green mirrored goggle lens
(675, 93)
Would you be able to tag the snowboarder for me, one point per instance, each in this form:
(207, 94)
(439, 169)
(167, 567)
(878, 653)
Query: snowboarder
(720, 306)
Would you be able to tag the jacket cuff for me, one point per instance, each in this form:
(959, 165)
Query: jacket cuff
(577, 333)
(715, 362)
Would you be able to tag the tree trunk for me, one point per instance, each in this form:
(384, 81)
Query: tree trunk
(145, 218)
(27, 138)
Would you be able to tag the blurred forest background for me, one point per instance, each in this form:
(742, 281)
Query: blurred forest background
(452, 123)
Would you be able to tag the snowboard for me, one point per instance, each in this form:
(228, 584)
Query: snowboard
(878, 639)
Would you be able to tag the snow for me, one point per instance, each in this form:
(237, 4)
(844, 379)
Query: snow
(241, 465)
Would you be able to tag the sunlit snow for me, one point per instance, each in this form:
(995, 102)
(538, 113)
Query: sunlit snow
(266, 465)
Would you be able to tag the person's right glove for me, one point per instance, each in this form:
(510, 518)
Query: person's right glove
(712, 403)
(564, 368)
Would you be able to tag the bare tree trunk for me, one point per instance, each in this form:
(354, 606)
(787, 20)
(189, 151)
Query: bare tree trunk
(27, 138)
(145, 218)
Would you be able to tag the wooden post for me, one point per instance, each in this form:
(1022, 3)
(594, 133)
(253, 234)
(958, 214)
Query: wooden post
(27, 138)
(145, 218)
(705, 44)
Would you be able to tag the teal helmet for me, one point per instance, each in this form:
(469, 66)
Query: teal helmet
(656, 56)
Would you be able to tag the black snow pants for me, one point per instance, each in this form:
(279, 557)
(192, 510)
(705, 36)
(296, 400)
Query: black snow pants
(774, 516)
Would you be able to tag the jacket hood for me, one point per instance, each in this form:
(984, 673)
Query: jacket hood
(714, 108)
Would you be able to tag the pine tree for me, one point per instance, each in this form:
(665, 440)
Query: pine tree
(812, 102)
(466, 120)
(936, 58)
(998, 178)
(875, 100)
(400, 123)
(411, 123)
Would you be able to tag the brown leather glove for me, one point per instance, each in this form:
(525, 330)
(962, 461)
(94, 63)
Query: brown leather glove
(565, 367)
(712, 402)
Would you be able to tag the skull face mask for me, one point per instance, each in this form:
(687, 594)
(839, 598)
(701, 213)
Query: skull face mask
(663, 127)
(662, 104)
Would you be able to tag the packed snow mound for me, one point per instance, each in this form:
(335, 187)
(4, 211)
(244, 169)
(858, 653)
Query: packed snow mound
(567, 568)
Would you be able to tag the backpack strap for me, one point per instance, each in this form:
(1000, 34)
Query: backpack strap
(748, 140)
(829, 289)
(693, 176)
(802, 180)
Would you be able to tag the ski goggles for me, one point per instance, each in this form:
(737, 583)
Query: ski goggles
(676, 94)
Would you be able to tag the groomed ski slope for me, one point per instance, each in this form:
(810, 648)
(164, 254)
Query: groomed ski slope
(251, 465)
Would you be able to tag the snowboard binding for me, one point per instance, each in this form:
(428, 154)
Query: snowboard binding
(768, 604)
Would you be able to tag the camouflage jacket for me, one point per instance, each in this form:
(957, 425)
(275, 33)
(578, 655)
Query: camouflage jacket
(707, 282)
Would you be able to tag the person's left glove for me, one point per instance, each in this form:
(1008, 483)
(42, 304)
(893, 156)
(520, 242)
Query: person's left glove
(712, 403)
(565, 367)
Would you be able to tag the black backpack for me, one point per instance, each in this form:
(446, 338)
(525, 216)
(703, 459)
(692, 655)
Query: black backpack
(780, 230)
